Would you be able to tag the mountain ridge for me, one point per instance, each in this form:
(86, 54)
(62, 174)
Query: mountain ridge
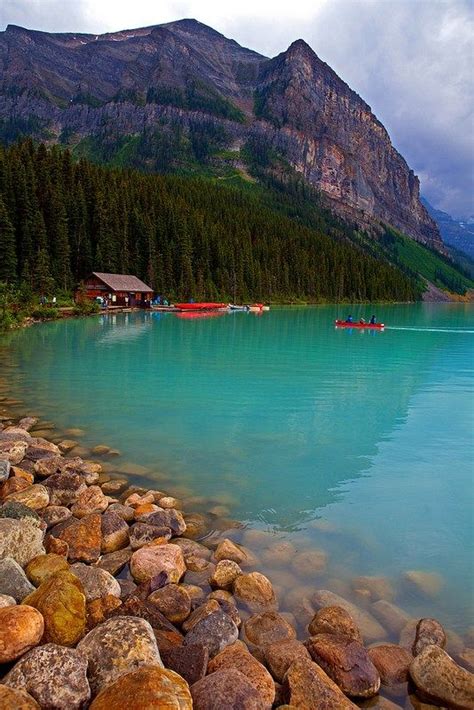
(184, 84)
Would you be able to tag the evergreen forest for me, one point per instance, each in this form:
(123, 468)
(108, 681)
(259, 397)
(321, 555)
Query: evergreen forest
(61, 219)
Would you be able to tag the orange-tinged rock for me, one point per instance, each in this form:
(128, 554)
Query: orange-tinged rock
(334, 620)
(99, 609)
(11, 699)
(392, 663)
(141, 511)
(280, 655)
(12, 485)
(92, 500)
(84, 538)
(173, 601)
(268, 627)
(307, 687)
(255, 590)
(21, 628)
(21, 473)
(35, 496)
(238, 656)
(43, 566)
(147, 562)
(438, 678)
(61, 601)
(148, 688)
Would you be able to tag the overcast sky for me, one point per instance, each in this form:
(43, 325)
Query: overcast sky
(411, 60)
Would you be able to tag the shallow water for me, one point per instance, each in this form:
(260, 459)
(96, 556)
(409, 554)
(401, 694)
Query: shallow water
(357, 443)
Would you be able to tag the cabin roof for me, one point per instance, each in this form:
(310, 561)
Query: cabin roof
(122, 282)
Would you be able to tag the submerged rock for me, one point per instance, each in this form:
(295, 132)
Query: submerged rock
(116, 647)
(347, 662)
(370, 628)
(391, 616)
(148, 688)
(21, 628)
(334, 620)
(55, 676)
(429, 632)
(425, 583)
(438, 678)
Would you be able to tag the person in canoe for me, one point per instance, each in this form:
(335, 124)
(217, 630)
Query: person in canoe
(349, 319)
(373, 320)
(362, 321)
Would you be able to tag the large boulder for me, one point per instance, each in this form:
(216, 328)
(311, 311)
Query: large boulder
(116, 647)
(55, 676)
(227, 688)
(13, 581)
(21, 628)
(215, 632)
(440, 680)
(238, 656)
(20, 539)
(40, 568)
(150, 561)
(346, 662)
(148, 688)
(61, 601)
(307, 687)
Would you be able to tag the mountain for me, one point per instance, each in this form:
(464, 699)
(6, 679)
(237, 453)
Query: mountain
(456, 233)
(180, 97)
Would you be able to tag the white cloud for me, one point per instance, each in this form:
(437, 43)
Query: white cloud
(411, 60)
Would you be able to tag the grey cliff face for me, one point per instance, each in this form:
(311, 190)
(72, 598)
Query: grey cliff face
(76, 85)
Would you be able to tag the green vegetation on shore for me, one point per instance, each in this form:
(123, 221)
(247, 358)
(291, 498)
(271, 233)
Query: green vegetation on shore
(185, 236)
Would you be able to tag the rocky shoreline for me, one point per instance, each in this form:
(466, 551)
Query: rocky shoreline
(112, 596)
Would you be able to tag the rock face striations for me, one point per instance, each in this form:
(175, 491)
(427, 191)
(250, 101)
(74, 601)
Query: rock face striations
(186, 79)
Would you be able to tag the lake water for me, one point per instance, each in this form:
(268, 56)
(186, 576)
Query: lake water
(356, 443)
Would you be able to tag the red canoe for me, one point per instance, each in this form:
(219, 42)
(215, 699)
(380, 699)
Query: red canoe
(200, 306)
(345, 324)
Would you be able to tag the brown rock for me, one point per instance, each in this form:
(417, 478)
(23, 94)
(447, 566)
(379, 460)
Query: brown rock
(92, 500)
(438, 678)
(255, 591)
(208, 607)
(169, 518)
(11, 699)
(56, 546)
(190, 661)
(142, 535)
(114, 532)
(467, 659)
(118, 646)
(192, 548)
(279, 553)
(392, 663)
(96, 582)
(429, 632)
(35, 496)
(13, 451)
(61, 601)
(334, 620)
(84, 538)
(55, 676)
(268, 627)
(199, 564)
(237, 656)
(215, 632)
(42, 567)
(141, 512)
(391, 616)
(21, 473)
(99, 609)
(224, 575)
(370, 628)
(11, 486)
(47, 466)
(307, 687)
(227, 688)
(21, 628)
(124, 511)
(150, 561)
(280, 655)
(228, 550)
(20, 539)
(346, 662)
(173, 601)
(54, 514)
(113, 562)
(196, 525)
(147, 611)
(65, 488)
(148, 688)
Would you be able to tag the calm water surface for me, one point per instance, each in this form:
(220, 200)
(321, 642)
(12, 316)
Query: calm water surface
(358, 443)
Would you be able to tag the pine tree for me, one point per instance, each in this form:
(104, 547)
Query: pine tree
(8, 260)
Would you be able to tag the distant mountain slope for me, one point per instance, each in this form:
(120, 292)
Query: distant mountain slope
(181, 97)
(456, 233)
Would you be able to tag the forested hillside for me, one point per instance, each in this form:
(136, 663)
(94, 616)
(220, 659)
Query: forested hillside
(61, 219)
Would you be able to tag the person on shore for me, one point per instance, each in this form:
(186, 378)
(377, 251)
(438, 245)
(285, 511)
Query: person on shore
(54, 301)
(349, 319)
(373, 320)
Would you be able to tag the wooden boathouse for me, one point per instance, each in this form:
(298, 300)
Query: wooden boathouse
(122, 290)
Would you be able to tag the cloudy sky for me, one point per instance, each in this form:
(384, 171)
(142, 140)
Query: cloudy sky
(411, 60)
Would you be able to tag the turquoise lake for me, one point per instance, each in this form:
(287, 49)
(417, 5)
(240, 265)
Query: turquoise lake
(356, 443)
